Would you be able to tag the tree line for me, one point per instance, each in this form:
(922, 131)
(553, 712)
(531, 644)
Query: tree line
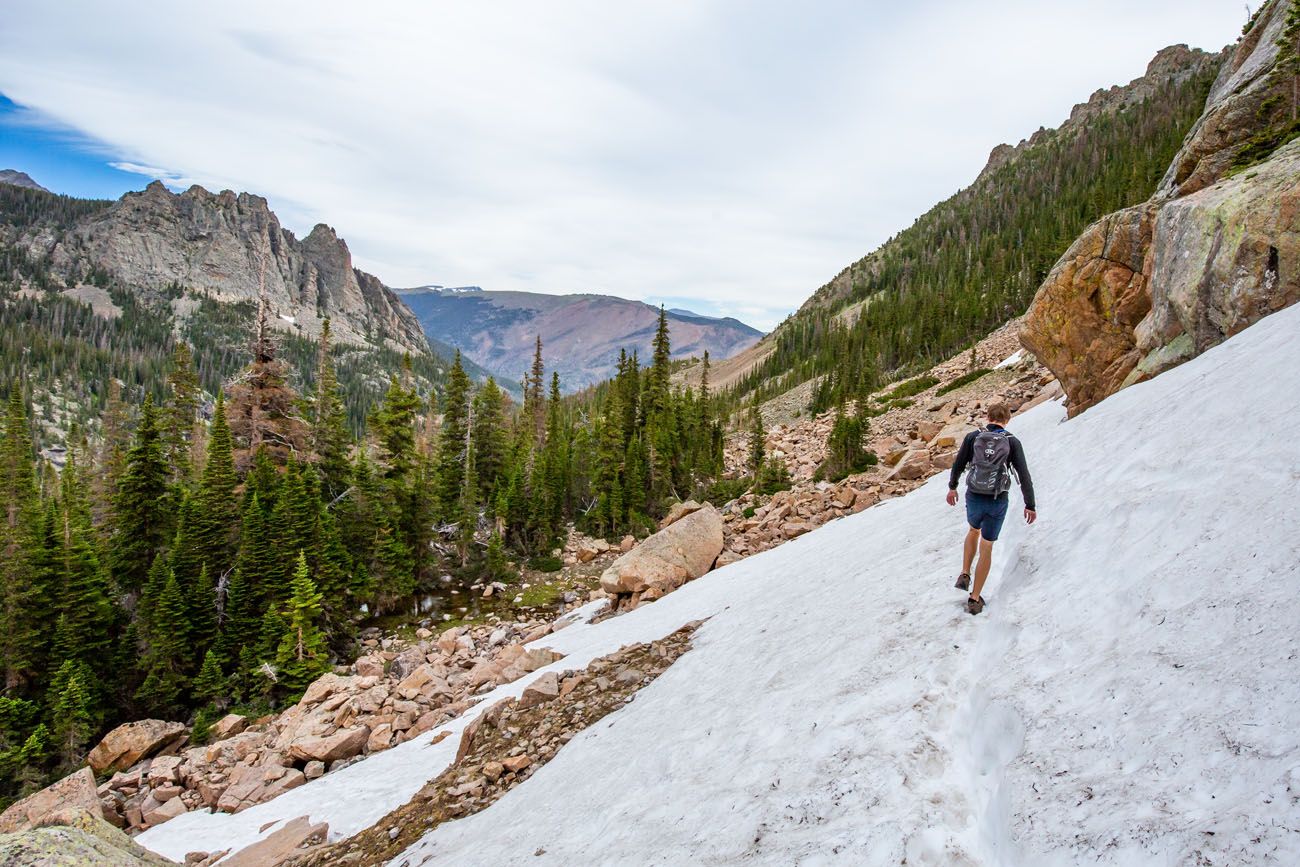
(203, 552)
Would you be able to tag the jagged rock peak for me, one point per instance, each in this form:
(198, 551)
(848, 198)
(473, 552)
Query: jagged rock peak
(226, 245)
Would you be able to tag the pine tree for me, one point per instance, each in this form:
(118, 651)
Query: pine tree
(302, 656)
(757, 443)
(167, 655)
(179, 415)
(74, 713)
(142, 507)
(489, 439)
(216, 508)
(210, 684)
(329, 435)
(534, 405)
(452, 438)
(21, 617)
(115, 440)
(497, 566)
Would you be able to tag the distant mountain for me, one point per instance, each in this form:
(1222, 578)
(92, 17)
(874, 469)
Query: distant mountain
(94, 289)
(19, 179)
(581, 334)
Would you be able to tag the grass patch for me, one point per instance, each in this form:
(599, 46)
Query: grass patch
(964, 379)
(911, 387)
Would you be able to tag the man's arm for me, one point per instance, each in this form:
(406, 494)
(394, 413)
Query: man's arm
(1022, 473)
(964, 455)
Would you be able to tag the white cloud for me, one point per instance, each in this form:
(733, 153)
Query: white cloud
(736, 152)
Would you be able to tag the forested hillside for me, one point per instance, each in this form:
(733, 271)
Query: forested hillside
(175, 566)
(975, 260)
(68, 329)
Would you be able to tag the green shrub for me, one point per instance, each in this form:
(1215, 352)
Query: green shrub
(749, 512)
(964, 379)
(546, 563)
(844, 452)
(911, 387)
(772, 477)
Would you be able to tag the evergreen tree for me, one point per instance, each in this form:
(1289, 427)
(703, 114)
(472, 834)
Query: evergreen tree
(302, 656)
(216, 508)
(179, 415)
(329, 435)
(452, 444)
(21, 618)
(210, 684)
(142, 507)
(489, 439)
(73, 712)
(534, 405)
(167, 654)
(757, 443)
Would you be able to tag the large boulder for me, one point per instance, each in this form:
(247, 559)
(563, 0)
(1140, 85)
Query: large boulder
(73, 794)
(1149, 287)
(682, 551)
(83, 840)
(129, 743)
(343, 744)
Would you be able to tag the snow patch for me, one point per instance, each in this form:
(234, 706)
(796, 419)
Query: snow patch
(1012, 359)
(1128, 697)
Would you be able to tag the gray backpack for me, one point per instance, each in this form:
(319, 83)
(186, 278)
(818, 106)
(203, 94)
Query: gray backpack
(990, 466)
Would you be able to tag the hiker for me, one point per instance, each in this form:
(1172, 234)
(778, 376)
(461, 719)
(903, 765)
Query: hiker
(992, 454)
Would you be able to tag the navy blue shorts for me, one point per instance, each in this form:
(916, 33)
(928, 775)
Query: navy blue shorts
(986, 514)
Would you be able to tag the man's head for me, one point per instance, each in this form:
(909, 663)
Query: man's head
(999, 413)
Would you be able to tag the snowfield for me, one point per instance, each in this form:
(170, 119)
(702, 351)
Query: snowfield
(1130, 696)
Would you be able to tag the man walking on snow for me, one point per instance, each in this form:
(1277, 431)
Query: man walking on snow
(991, 454)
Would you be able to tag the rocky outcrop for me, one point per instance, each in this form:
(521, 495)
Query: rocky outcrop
(680, 552)
(222, 245)
(399, 691)
(133, 741)
(1149, 287)
(82, 841)
(71, 795)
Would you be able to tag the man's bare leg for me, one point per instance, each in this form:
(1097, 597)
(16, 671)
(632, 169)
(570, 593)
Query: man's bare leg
(968, 552)
(982, 567)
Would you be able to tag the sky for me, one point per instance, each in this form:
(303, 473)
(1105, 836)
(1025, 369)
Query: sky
(726, 156)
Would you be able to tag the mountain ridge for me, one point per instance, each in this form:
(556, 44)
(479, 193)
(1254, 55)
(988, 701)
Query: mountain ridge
(582, 333)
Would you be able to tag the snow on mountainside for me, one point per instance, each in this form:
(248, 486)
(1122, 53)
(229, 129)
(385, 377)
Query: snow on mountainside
(1128, 697)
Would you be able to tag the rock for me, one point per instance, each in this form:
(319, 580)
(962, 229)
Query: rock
(951, 435)
(1081, 323)
(844, 496)
(230, 724)
(82, 840)
(493, 771)
(678, 511)
(343, 744)
(208, 242)
(314, 770)
(163, 770)
(291, 840)
(684, 550)
(540, 691)
(627, 544)
(914, 465)
(129, 743)
(1147, 288)
(73, 794)
(927, 430)
(369, 666)
(515, 764)
(323, 687)
(381, 737)
(726, 558)
(156, 815)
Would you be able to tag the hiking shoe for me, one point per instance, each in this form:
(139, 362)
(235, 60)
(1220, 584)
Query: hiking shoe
(963, 581)
(975, 606)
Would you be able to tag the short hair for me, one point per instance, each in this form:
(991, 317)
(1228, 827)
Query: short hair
(999, 413)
